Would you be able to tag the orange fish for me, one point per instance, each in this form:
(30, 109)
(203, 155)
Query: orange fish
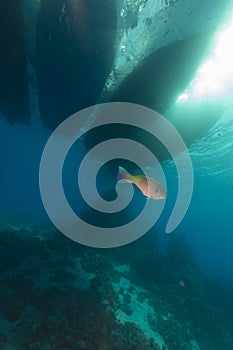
(146, 184)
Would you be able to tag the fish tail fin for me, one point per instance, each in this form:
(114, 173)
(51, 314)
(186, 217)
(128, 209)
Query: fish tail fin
(123, 175)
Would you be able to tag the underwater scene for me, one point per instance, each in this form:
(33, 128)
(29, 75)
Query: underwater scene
(116, 182)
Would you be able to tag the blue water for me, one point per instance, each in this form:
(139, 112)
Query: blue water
(200, 257)
(209, 220)
(163, 291)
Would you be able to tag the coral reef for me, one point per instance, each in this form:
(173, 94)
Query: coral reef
(56, 294)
